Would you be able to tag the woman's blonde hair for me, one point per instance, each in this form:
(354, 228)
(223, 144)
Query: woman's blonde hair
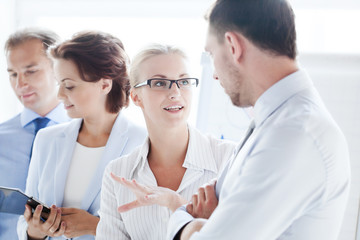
(148, 52)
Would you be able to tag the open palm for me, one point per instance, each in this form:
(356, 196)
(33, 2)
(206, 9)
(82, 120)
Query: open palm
(149, 195)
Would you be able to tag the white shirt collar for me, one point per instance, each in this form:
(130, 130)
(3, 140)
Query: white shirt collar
(193, 153)
(277, 94)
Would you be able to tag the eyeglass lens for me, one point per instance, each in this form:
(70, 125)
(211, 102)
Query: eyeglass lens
(167, 84)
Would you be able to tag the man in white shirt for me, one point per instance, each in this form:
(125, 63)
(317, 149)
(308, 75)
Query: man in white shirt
(290, 178)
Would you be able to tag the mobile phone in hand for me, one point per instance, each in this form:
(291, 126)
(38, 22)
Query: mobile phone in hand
(33, 203)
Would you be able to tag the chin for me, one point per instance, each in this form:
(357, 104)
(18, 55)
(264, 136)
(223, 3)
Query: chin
(73, 115)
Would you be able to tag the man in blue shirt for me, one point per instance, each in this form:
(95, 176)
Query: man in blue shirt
(32, 79)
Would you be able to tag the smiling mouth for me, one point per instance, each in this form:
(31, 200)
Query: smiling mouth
(27, 95)
(174, 108)
(68, 106)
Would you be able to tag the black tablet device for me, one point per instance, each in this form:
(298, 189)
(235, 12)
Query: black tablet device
(13, 200)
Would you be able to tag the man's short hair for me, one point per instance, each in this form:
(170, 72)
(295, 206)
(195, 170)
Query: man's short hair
(268, 24)
(47, 37)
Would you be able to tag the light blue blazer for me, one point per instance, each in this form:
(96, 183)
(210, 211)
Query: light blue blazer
(52, 154)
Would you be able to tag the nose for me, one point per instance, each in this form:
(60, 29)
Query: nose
(174, 91)
(60, 94)
(20, 81)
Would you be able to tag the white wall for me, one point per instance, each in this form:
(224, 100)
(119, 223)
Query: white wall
(8, 102)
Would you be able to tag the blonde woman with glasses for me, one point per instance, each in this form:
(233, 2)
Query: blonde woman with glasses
(172, 164)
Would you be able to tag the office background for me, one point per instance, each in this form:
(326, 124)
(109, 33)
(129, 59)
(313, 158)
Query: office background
(328, 44)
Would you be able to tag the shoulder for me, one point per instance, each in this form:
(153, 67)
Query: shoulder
(12, 130)
(13, 122)
(124, 166)
(59, 129)
(136, 129)
(210, 141)
(305, 116)
(207, 151)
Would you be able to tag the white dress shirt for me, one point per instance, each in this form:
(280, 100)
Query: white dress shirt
(204, 158)
(291, 178)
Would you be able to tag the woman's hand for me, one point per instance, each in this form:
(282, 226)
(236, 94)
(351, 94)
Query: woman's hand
(79, 222)
(149, 195)
(37, 229)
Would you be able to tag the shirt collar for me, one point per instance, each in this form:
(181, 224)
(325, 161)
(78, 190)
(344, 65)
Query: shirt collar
(57, 115)
(199, 147)
(277, 94)
(197, 150)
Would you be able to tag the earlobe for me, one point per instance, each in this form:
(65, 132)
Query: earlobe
(235, 45)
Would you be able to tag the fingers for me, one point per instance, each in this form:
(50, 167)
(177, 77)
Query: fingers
(36, 227)
(201, 195)
(209, 194)
(61, 230)
(36, 216)
(190, 208)
(134, 186)
(213, 182)
(27, 213)
(53, 221)
(54, 227)
(129, 206)
(195, 200)
(123, 181)
(116, 178)
(68, 211)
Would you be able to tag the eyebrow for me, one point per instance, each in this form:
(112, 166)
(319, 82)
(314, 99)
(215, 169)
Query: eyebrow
(163, 76)
(26, 67)
(62, 80)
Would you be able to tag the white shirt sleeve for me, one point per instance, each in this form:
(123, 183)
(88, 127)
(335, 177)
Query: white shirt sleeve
(177, 221)
(111, 225)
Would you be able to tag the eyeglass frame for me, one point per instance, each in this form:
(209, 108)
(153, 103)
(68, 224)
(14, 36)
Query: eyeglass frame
(148, 82)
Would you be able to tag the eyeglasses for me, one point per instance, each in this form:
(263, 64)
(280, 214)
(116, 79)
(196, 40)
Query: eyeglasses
(163, 83)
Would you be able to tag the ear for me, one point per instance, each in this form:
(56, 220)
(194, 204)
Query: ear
(106, 85)
(135, 97)
(235, 45)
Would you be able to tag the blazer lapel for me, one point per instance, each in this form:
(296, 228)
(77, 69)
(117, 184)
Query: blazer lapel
(65, 144)
(114, 149)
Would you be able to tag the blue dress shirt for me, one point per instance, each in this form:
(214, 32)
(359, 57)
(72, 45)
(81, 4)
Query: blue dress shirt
(16, 137)
(291, 178)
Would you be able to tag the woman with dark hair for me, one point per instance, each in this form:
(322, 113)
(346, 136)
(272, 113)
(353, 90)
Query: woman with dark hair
(68, 160)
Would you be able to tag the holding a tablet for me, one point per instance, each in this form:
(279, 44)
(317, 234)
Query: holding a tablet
(13, 200)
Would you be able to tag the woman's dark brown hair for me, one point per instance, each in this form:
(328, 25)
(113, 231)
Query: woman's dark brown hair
(99, 55)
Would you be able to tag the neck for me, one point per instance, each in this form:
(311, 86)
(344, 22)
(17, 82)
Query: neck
(168, 147)
(48, 108)
(95, 131)
(269, 71)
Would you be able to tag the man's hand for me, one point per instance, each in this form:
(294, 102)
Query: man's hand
(149, 195)
(204, 202)
(78, 222)
(191, 228)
